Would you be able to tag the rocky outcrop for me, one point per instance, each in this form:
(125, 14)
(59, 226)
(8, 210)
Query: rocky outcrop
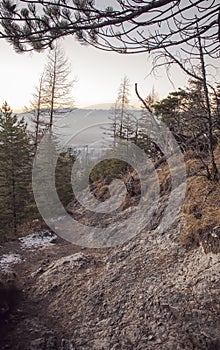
(148, 294)
(151, 293)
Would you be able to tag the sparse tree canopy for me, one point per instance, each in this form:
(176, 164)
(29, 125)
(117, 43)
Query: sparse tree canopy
(122, 105)
(57, 85)
(129, 26)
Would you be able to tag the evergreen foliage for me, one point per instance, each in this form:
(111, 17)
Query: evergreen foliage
(184, 111)
(63, 171)
(109, 169)
(124, 26)
(16, 201)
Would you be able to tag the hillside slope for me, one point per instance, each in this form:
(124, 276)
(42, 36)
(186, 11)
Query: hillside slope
(157, 291)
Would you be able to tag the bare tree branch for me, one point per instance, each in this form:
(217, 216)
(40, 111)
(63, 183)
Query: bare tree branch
(127, 27)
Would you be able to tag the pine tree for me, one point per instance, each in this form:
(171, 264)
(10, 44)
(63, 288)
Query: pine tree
(120, 116)
(170, 110)
(63, 170)
(15, 172)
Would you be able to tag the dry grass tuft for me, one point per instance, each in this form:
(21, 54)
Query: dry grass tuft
(30, 227)
(202, 209)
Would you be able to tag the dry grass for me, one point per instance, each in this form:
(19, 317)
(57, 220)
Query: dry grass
(30, 227)
(102, 192)
(202, 207)
(202, 201)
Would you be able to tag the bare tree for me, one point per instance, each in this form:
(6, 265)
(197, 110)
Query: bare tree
(57, 85)
(122, 105)
(128, 26)
(38, 110)
(112, 132)
(215, 100)
(119, 114)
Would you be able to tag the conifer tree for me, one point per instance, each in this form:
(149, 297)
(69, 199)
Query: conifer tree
(121, 26)
(63, 170)
(15, 172)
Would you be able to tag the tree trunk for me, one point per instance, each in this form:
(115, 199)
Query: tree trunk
(214, 169)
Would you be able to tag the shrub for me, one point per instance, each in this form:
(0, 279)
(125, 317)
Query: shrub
(108, 169)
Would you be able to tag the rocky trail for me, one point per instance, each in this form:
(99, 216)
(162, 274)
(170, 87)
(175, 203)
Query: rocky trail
(148, 294)
(25, 257)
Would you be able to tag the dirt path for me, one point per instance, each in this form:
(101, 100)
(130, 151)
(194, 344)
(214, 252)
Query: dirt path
(28, 320)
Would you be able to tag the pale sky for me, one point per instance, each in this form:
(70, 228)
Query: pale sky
(98, 75)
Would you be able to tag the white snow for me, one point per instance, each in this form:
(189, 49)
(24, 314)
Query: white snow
(40, 240)
(9, 259)
(58, 218)
(36, 240)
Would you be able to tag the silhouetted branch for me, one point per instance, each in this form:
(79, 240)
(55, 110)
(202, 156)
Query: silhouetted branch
(125, 27)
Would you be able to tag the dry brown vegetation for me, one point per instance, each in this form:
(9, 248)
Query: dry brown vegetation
(201, 207)
(30, 227)
(147, 294)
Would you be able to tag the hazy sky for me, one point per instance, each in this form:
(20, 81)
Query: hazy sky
(98, 74)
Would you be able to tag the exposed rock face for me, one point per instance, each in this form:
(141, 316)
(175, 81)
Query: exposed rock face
(148, 294)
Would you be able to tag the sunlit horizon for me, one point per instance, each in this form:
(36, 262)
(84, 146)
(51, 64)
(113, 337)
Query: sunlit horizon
(97, 75)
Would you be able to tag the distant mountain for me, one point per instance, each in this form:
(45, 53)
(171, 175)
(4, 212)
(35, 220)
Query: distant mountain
(81, 127)
(102, 106)
(107, 106)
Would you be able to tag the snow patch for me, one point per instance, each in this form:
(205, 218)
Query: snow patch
(9, 259)
(59, 218)
(40, 240)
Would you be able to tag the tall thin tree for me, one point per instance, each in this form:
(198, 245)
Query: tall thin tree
(122, 105)
(38, 110)
(57, 83)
